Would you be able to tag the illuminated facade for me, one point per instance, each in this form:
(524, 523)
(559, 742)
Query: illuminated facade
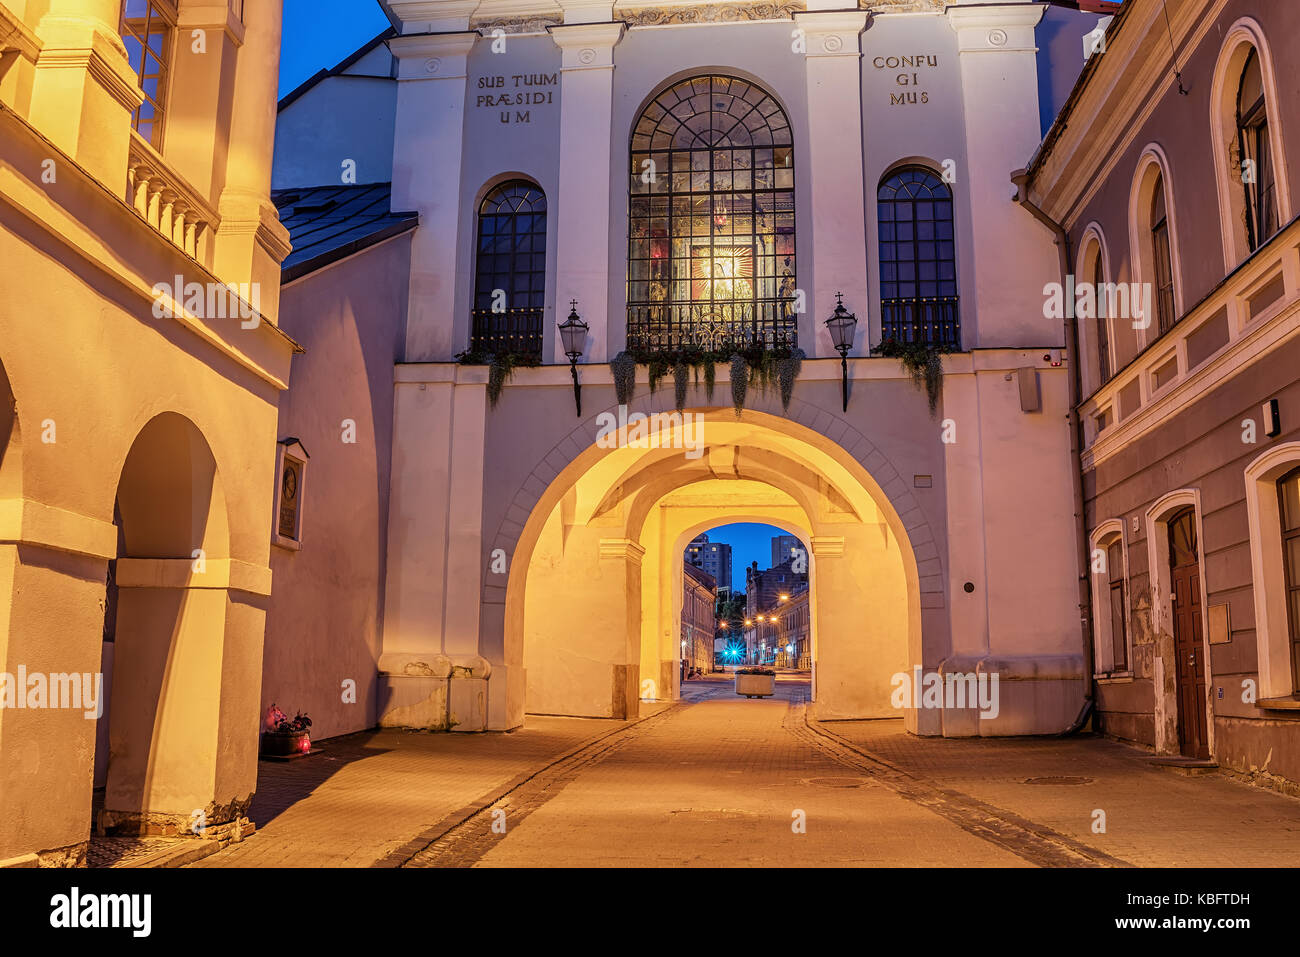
(700, 184)
(141, 367)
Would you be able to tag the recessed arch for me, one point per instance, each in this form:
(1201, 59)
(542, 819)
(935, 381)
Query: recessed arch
(1150, 199)
(1112, 607)
(169, 649)
(1268, 572)
(542, 561)
(1158, 518)
(1244, 38)
(1104, 340)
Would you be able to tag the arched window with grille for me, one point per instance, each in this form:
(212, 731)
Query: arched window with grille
(510, 270)
(1257, 175)
(711, 239)
(918, 259)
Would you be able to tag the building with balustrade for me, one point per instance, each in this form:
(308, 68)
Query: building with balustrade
(141, 370)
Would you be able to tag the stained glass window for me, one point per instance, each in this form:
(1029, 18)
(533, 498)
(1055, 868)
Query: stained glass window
(711, 236)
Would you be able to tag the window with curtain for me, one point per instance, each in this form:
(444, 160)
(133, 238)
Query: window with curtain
(1162, 259)
(148, 29)
(918, 259)
(1258, 178)
(510, 270)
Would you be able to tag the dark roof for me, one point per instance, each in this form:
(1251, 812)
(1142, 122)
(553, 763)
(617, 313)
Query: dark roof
(335, 70)
(327, 223)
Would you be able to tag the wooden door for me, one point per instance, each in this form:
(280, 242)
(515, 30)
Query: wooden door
(1189, 651)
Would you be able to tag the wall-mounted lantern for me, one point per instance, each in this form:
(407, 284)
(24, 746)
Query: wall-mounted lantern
(841, 326)
(573, 332)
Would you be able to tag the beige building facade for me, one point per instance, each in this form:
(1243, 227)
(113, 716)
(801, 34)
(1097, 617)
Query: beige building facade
(141, 372)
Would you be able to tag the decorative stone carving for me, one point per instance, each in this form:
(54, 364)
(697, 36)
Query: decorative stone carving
(586, 56)
(514, 24)
(832, 44)
(710, 13)
(998, 38)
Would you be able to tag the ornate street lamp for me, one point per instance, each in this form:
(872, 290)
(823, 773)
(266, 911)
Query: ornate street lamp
(841, 325)
(573, 331)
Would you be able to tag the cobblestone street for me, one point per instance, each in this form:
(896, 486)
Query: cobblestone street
(721, 780)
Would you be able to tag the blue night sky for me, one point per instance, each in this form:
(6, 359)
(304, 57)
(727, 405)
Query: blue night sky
(749, 543)
(320, 33)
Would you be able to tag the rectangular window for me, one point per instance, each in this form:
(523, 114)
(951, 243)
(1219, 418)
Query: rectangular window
(148, 31)
(1118, 632)
(1289, 494)
(1164, 276)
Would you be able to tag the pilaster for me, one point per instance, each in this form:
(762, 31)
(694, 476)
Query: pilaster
(833, 52)
(583, 204)
(427, 150)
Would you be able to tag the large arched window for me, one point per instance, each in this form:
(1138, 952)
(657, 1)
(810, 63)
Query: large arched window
(711, 242)
(918, 259)
(1257, 174)
(510, 270)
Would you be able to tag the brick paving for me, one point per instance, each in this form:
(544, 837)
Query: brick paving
(716, 780)
(366, 795)
(1153, 816)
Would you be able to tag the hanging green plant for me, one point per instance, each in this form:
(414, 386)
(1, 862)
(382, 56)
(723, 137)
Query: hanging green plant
(787, 368)
(922, 361)
(681, 381)
(710, 378)
(501, 367)
(658, 368)
(739, 382)
(623, 367)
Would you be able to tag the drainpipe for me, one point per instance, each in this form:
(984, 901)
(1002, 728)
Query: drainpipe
(1021, 180)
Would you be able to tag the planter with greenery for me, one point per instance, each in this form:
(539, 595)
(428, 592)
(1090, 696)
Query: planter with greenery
(284, 736)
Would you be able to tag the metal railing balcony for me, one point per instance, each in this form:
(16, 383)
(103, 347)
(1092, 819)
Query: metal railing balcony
(934, 321)
(514, 330)
(712, 325)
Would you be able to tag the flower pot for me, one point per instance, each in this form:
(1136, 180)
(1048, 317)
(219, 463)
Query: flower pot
(755, 686)
(280, 744)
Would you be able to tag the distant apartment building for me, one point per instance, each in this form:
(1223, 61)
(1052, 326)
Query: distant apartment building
(699, 597)
(766, 593)
(712, 557)
(784, 548)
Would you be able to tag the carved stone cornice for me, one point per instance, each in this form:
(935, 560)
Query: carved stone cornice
(903, 6)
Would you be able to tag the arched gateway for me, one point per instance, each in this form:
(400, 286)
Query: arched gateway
(593, 597)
